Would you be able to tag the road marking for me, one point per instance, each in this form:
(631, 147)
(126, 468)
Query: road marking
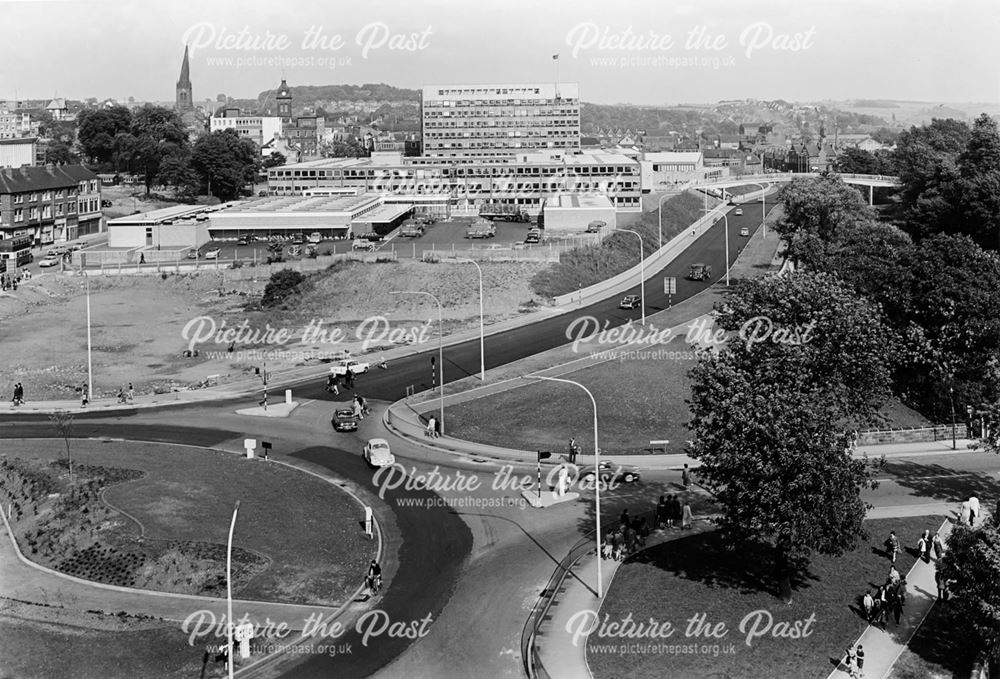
(935, 476)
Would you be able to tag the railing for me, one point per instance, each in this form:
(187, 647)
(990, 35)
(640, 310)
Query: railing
(787, 176)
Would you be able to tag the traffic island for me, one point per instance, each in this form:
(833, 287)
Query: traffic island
(547, 498)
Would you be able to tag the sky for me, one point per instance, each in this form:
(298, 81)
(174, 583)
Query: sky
(660, 52)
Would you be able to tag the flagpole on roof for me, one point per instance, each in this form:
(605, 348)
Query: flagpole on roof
(555, 58)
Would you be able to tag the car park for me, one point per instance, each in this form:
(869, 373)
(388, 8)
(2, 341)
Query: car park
(739, 212)
(699, 272)
(609, 472)
(343, 420)
(744, 231)
(378, 454)
(357, 367)
(213, 253)
(629, 302)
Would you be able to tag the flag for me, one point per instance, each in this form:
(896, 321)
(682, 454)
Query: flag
(555, 57)
(543, 455)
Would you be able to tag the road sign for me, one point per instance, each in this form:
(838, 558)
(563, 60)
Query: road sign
(669, 285)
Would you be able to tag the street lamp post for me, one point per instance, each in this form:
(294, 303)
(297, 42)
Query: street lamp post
(229, 588)
(726, 220)
(659, 214)
(90, 363)
(763, 206)
(482, 333)
(440, 345)
(642, 271)
(597, 476)
(951, 398)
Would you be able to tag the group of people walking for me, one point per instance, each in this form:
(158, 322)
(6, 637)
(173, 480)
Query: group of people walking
(629, 535)
(18, 399)
(11, 281)
(126, 394)
(672, 513)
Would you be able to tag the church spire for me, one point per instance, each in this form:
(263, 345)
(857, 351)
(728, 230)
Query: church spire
(184, 101)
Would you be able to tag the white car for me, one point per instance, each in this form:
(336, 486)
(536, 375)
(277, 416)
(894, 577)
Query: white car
(213, 253)
(50, 260)
(357, 367)
(745, 231)
(377, 453)
(739, 211)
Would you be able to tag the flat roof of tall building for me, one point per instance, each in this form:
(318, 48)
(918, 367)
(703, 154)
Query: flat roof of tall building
(488, 91)
(673, 156)
(523, 158)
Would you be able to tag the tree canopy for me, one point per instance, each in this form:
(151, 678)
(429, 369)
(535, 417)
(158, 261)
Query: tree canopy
(225, 162)
(972, 563)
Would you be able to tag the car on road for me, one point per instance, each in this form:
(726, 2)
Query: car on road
(739, 212)
(744, 231)
(609, 472)
(51, 259)
(378, 454)
(357, 367)
(213, 253)
(343, 420)
(699, 272)
(629, 302)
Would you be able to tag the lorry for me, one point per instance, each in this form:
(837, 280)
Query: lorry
(497, 210)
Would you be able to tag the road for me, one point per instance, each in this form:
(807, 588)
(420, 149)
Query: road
(462, 360)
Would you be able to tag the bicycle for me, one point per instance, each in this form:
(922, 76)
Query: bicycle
(374, 583)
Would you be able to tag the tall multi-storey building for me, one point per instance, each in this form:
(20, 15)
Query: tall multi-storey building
(185, 99)
(49, 203)
(499, 120)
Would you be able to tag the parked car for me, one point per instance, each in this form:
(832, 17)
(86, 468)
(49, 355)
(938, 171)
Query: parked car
(481, 230)
(744, 231)
(534, 236)
(343, 420)
(243, 240)
(106, 203)
(629, 302)
(357, 367)
(739, 212)
(362, 244)
(373, 237)
(595, 226)
(315, 237)
(700, 272)
(213, 253)
(609, 472)
(378, 454)
(262, 193)
(298, 239)
(411, 230)
(51, 259)
(192, 254)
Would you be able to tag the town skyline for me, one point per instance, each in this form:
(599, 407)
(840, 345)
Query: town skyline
(657, 56)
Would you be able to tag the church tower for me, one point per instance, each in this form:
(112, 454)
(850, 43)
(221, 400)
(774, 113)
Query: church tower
(284, 99)
(184, 101)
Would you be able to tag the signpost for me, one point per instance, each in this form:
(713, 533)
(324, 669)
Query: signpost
(669, 288)
(266, 445)
(542, 455)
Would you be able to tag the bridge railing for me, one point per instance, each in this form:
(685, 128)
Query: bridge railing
(787, 176)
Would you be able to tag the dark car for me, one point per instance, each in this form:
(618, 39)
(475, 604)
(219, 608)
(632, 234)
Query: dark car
(343, 420)
(610, 473)
(629, 302)
(700, 272)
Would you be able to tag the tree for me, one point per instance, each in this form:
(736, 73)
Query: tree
(59, 153)
(976, 193)
(972, 564)
(159, 133)
(97, 129)
(177, 172)
(818, 212)
(280, 287)
(770, 418)
(275, 159)
(63, 422)
(225, 162)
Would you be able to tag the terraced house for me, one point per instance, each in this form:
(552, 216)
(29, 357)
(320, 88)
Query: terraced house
(49, 204)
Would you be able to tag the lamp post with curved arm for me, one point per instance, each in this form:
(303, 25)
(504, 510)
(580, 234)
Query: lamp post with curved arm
(659, 214)
(440, 345)
(597, 472)
(642, 271)
(763, 206)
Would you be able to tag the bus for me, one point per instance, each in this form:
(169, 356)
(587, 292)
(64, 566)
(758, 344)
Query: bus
(17, 250)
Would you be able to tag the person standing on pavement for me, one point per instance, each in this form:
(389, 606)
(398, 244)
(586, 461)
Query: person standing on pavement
(660, 518)
(686, 477)
(131, 392)
(686, 516)
(869, 604)
(938, 546)
(923, 546)
(676, 512)
(573, 450)
(849, 660)
(973, 510)
(859, 657)
(431, 423)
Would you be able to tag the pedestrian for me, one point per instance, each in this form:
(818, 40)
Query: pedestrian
(893, 578)
(973, 510)
(859, 657)
(431, 422)
(84, 400)
(572, 451)
(892, 546)
(618, 545)
(868, 601)
(624, 518)
(881, 604)
(131, 392)
(938, 546)
(686, 517)
(121, 394)
(677, 511)
(686, 477)
(631, 538)
(661, 513)
(965, 513)
(849, 661)
(923, 547)
(895, 605)
(142, 258)
(607, 549)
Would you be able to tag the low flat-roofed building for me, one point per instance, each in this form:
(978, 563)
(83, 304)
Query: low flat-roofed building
(18, 152)
(331, 216)
(575, 212)
(671, 167)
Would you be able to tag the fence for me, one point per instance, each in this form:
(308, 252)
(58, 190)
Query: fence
(494, 255)
(244, 270)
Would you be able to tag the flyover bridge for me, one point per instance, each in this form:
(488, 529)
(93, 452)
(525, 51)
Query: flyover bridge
(869, 180)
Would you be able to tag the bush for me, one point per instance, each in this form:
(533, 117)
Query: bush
(283, 284)
(237, 264)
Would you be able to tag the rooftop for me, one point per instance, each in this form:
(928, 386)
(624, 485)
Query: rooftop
(586, 201)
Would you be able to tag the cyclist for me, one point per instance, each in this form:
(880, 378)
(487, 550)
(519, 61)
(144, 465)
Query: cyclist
(374, 578)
